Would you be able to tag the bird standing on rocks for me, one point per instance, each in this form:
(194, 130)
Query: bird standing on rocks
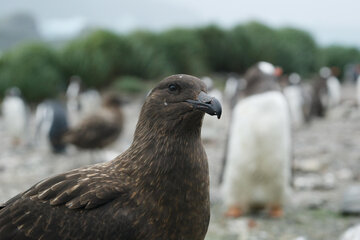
(100, 129)
(156, 189)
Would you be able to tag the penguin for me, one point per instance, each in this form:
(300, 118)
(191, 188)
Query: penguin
(257, 169)
(15, 115)
(51, 123)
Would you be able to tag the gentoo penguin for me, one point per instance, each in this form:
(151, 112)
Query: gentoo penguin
(15, 115)
(231, 87)
(333, 87)
(358, 91)
(294, 96)
(81, 104)
(320, 97)
(51, 124)
(257, 169)
(72, 99)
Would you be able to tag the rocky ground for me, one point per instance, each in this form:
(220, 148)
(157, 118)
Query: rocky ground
(326, 162)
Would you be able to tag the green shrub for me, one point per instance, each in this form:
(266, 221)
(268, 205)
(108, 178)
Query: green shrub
(101, 56)
(97, 58)
(183, 51)
(146, 61)
(294, 50)
(217, 47)
(298, 51)
(262, 42)
(239, 52)
(34, 68)
(339, 56)
(129, 84)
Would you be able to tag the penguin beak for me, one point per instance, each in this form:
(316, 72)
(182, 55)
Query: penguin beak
(207, 104)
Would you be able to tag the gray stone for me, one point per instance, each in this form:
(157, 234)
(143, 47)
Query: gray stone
(345, 174)
(350, 202)
(352, 233)
(301, 238)
(309, 165)
(315, 182)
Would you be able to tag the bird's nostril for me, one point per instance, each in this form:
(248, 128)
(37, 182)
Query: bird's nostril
(203, 97)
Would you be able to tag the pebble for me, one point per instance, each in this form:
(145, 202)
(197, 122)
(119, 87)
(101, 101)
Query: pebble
(350, 202)
(309, 165)
(345, 174)
(301, 238)
(315, 182)
(352, 233)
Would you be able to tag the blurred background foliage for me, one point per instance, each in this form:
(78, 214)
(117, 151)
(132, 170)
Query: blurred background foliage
(97, 58)
(35, 68)
(102, 58)
(128, 84)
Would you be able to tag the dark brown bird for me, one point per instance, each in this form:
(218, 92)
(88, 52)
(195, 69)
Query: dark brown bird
(156, 189)
(100, 129)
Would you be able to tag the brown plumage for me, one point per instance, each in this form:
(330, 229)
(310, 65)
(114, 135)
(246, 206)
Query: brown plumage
(259, 82)
(156, 189)
(100, 129)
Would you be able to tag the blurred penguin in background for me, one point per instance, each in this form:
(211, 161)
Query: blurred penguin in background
(233, 85)
(320, 98)
(358, 91)
(81, 104)
(257, 169)
(299, 97)
(15, 116)
(294, 97)
(333, 85)
(51, 124)
(307, 93)
(72, 96)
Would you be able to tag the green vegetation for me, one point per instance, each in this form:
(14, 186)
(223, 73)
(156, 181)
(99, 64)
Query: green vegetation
(297, 51)
(97, 58)
(148, 60)
(103, 58)
(34, 68)
(128, 84)
(183, 50)
(216, 47)
(339, 56)
(324, 214)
